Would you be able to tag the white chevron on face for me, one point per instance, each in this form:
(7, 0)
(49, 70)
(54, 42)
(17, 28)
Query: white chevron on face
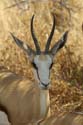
(43, 63)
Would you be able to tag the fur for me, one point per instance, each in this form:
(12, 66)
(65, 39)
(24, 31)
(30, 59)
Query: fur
(22, 99)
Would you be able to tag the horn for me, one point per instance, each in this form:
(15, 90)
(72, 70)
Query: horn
(34, 37)
(51, 35)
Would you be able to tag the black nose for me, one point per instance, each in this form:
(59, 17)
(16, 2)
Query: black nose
(45, 85)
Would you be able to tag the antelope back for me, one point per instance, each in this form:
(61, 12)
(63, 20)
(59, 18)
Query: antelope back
(67, 119)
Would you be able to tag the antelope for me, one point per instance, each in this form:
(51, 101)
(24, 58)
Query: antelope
(71, 118)
(26, 102)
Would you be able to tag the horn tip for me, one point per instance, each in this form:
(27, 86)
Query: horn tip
(53, 16)
(12, 34)
(33, 16)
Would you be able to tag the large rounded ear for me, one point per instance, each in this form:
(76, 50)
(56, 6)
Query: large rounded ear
(23, 46)
(59, 44)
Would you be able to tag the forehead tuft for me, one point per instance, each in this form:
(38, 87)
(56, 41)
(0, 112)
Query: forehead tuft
(42, 58)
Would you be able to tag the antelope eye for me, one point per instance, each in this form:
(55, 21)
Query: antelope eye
(51, 65)
(34, 65)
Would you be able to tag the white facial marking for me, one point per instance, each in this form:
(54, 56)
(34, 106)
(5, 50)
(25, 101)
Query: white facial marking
(43, 63)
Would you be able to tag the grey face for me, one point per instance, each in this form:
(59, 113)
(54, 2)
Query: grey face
(42, 62)
(42, 65)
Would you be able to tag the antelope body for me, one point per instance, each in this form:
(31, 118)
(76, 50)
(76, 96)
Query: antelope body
(66, 119)
(26, 102)
(21, 99)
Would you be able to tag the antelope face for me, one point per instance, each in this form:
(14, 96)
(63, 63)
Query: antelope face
(42, 61)
(42, 65)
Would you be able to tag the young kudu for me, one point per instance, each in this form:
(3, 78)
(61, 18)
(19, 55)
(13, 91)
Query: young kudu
(26, 102)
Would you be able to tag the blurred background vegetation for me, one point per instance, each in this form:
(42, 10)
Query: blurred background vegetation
(66, 90)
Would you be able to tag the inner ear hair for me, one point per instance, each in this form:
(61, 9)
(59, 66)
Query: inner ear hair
(61, 42)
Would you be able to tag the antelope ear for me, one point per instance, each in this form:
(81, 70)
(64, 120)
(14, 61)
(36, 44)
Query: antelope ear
(59, 44)
(23, 46)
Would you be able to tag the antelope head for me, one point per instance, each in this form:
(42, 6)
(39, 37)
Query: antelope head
(42, 61)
